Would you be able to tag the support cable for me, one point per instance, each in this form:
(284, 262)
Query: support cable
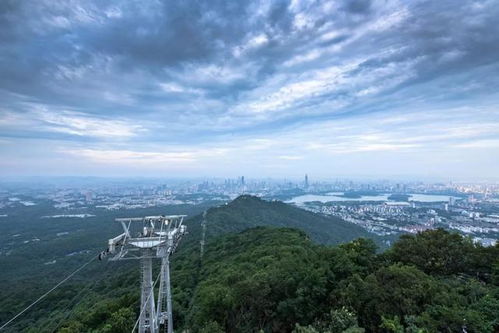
(145, 303)
(48, 292)
(76, 300)
(70, 308)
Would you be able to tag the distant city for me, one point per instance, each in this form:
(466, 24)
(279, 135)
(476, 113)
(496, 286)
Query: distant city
(385, 208)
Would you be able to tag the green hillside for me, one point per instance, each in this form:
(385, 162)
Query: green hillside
(25, 275)
(255, 278)
(277, 280)
(249, 211)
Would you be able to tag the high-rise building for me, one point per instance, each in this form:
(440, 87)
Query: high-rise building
(306, 181)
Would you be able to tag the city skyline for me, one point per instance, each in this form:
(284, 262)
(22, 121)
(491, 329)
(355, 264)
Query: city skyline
(379, 89)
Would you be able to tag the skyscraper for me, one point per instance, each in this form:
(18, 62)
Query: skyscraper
(306, 181)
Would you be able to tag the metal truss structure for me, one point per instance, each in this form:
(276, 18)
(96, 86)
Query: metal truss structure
(146, 238)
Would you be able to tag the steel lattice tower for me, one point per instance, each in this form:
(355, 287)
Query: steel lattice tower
(203, 233)
(147, 238)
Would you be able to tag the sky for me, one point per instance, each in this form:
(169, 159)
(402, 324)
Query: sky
(347, 88)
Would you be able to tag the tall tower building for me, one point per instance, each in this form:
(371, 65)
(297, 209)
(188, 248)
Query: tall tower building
(306, 181)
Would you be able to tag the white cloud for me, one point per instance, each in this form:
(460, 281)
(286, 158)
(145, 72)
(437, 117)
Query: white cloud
(130, 156)
(290, 157)
(113, 12)
(255, 42)
(258, 41)
(303, 21)
(42, 118)
(212, 74)
(83, 125)
(118, 156)
(389, 18)
(348, 80)
(484, 143)
(308, 56)
(172, 87)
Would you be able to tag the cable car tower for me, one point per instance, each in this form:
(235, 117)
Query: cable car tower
(146, 238)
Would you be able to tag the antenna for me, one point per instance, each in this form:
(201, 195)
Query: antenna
(203, 236)
(145, 238)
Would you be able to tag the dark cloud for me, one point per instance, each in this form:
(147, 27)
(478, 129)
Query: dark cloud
(118, 59)
(8, 13)
(358, 6)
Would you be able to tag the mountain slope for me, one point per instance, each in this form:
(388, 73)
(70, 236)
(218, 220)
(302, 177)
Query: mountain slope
(257, 280)
(279, 280)
(249, 211)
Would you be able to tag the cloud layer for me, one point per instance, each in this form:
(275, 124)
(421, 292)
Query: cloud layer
(266, 87)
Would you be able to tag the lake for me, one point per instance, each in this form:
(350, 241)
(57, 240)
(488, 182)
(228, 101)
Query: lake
(336, 196)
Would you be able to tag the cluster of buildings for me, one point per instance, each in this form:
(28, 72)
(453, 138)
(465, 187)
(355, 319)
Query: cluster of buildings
(472, 208)
(384, 219)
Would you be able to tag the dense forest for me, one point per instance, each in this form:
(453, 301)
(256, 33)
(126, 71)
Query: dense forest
(258, 275)
(248, 211)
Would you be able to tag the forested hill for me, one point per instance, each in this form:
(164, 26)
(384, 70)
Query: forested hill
(248, 211)
(277, 280)
(255, 278)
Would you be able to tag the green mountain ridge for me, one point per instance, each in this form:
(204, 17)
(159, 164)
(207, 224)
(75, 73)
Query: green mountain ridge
(268, 279)
(259, 275)
(248, 211)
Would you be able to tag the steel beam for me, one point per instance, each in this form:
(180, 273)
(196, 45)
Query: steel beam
(147, 322)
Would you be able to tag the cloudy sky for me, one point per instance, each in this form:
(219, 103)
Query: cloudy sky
(380, 88)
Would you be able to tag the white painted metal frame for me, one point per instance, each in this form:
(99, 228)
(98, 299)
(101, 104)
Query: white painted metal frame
(157, 238)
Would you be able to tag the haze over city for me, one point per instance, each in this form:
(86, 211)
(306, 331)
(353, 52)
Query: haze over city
(265, 89)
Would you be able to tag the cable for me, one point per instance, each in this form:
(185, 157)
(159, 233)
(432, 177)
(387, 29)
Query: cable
(69, 308)
(147, 300)
(75, 300)
(48, 292)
